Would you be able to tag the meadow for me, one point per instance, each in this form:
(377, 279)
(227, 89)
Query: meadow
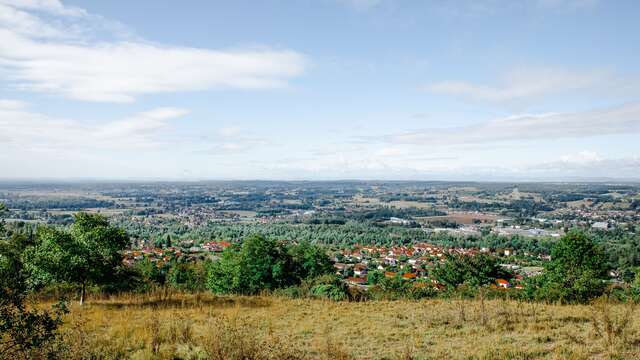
(170, 325)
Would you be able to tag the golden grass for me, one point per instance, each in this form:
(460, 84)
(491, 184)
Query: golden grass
(166, 325)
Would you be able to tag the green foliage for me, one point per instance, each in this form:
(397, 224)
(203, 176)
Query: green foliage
(322, 287)
(374, 277)
(260, 264)
(89, 253)
(265, 264)
(327, 287)
(481, 269)
(188, 276)
(3, 211)
(149, 272)
(24, 332)
(310, 260)
(576, 272)
(395, 288)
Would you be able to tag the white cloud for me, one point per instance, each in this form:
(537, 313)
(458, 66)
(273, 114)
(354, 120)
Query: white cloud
(6, 104)
(21, 22)
(30, 131)
(523, 83)
(582, 157)
(49, 6)
(229, 131)
(586, 165)
(618, 120)
(37, 56)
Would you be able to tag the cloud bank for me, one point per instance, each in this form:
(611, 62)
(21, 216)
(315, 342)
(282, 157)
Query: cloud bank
(55, 57)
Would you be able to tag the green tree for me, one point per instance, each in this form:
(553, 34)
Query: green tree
(260, 264)
(3, 212)
(477, 270)
(24, 332)
(310, 260)
(187, 276)
(88, 254)
(374, 277)
(576, 273)
(149, 272)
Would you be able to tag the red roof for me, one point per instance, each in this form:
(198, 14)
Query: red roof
(357, 280)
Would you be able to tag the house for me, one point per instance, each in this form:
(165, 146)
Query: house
(409, 276)
(503, 283)
(600, 225)
(360, 270)
(390, 260)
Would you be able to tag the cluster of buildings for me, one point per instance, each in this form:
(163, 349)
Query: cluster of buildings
(160, 256)
(408, 262)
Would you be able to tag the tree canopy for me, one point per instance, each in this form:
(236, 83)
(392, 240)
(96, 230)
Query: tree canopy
(576, 273)
(481, 269)
(87, 254)
(265, 264)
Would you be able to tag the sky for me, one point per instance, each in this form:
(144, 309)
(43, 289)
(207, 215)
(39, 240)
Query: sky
(488, 90)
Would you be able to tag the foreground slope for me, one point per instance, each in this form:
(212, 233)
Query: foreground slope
(165, 325)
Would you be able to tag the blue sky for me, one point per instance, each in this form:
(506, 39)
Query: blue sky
(324, 89)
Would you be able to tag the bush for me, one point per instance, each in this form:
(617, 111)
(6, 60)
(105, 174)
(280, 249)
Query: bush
(264, 264)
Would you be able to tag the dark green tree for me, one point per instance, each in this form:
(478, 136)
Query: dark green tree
(576, 273)
(150, 274)
(25, 331)
(374, 277)
(310, 260)
(88, 254)
(187, 276)
(260, 264)
(477, 270)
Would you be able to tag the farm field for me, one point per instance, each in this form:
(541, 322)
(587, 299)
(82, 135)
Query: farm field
(173, 325)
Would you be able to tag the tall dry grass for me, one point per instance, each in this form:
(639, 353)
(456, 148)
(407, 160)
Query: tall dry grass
(169, 325)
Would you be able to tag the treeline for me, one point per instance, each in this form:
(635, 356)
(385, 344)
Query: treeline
(37, 203)
(523, 208)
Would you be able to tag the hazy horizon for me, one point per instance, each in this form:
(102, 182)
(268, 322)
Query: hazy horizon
(485, 90)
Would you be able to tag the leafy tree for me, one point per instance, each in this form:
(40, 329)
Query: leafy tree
(391, 288)
(87, 254)
(260, 264)
(150, 273)
(24, 332)
(477, 270)
(328, 287)
(3, 211)
(187, 276)
(374, 277)
(223, 275)
(576, 272)
(310, 260)
(266, 264)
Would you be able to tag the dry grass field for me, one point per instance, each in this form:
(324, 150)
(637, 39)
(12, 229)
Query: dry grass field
(204, 326)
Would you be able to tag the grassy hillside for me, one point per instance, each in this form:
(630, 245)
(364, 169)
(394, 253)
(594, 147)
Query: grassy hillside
(166, 325)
